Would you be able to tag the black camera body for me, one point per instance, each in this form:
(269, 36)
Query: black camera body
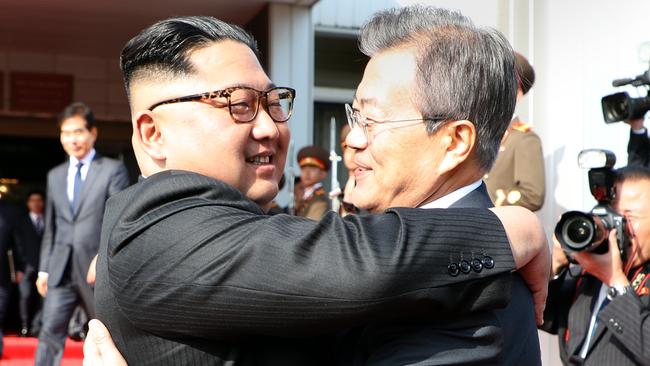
(589, 231)
(620, 106)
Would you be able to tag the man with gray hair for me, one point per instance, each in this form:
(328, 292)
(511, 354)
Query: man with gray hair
(226, 277)
(443, 90)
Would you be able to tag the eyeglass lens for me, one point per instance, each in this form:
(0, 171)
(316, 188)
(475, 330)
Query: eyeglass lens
(353, 119)
(244, 104)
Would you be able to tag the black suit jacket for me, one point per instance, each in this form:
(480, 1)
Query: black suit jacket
(73, 236)
(28, 241)
(492, 337)
(7, 242)
(623, 334)
(192, 272)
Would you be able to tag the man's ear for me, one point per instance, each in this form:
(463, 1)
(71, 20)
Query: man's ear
(147, 134)
(459, 139)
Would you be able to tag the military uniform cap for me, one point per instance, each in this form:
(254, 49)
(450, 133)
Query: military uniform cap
(314, 156)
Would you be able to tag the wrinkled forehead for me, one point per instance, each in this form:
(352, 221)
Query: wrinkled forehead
(389, 78)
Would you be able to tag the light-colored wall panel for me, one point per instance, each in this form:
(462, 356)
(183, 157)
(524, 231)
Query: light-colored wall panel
(116, 93)
(34, 62)
(113, 69)
(82, 67)
(90, 91)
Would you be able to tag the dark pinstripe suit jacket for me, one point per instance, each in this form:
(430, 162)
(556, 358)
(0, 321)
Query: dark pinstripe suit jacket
(622, 336)
(191, 272)
(491, 337)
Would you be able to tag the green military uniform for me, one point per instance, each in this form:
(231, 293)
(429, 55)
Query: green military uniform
(315, 202)
(517, 177)
(314, 206)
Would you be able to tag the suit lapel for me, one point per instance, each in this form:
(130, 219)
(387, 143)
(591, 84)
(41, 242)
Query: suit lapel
(61, 189)
(580, 317)
(579, 322)
(599, 330)
(91, 177)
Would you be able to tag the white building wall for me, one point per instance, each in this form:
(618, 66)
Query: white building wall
(346, 13)
(291, 60)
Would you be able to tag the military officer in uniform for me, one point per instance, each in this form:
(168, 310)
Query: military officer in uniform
(314, 164)
(517, 177)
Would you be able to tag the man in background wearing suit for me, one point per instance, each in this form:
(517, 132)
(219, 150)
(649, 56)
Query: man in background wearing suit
(7, 226)
(29, 234)
(600, 307)
(230, 271)
(77, 191)
(424, 136)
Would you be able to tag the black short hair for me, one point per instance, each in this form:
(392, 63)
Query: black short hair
(633, 173)
(78, 109)
(162, 49)
(37, 192)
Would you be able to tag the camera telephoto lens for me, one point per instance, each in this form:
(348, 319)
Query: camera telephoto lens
(579, 232)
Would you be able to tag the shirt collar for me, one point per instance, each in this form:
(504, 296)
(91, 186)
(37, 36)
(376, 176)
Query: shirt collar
(86, 159)
(451, 198)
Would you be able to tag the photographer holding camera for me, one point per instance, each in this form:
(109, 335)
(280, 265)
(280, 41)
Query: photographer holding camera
(599, 305)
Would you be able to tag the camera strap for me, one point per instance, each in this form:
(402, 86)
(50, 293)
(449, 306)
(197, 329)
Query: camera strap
(639, 280)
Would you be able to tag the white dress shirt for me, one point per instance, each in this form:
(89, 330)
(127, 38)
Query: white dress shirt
(451, 198)
(35, 218)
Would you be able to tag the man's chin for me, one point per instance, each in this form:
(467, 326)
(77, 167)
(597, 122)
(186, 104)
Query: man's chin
(364, 204)
(264, 195)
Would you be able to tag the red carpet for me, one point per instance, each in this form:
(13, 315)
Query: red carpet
(20, 352)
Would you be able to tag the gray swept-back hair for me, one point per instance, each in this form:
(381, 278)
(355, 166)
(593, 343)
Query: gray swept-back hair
(464, 72)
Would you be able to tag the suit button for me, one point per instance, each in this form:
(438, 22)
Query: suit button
(465, 266)
(488, 262)
(453, 269)
(619, 330)
(477, 265)
(611, 320)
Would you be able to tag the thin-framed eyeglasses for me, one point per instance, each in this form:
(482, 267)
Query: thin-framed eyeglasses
(243, 102)
(356, 119)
